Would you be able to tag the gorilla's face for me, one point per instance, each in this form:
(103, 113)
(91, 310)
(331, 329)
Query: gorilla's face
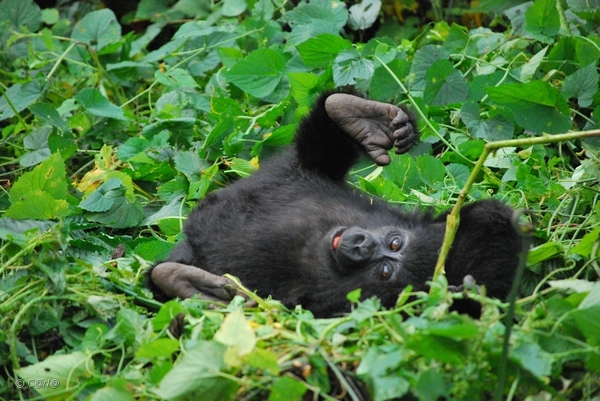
(378, 251)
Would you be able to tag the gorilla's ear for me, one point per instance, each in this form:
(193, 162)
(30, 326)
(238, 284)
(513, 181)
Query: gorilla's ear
(376, 126)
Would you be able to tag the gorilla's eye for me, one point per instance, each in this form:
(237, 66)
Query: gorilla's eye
(396, 244)
(386, 271)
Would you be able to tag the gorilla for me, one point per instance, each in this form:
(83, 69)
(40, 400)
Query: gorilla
(297, 231)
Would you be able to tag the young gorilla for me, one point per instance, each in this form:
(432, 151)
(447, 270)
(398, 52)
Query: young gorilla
(297, 231)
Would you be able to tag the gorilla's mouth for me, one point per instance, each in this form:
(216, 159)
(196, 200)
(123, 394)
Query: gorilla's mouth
(337, 237)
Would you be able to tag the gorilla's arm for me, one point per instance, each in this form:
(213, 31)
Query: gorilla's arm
(178, 280)
(342, 126)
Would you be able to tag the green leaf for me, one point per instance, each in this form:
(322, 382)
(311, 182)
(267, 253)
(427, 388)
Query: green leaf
(459, 172)
(592, 299)
(263, 359)
(495, 129)
(354, 295)
(456, 330)
(364, 14)
(317, 17)
(320, 51)
(175, 78)
(585, 246)
(130, 325)
(122, 213)
(241, 167)
(112, 393)
(49, 176)
(366, 309)
(154, 250)
(431, 386)
(431, 169)
(536, 106)
(424, 58)
(100, 200)
(286, 389)
(259, 73)
(379, 369)
(582, 84)
(236, 333)
(444, 84)
(37, 145)
(544, 252)
(63, 373)
(168, 311)
(98, 29)
(383, 85)
(198, 373)
(161, 347)
(404, 173)
(93, 101)
(533, 358)
(20, 96)
(440, 348)
(351, 67)
(20, 14)
(542, 21)
(48, 113)
(527, 70)
(232, 8)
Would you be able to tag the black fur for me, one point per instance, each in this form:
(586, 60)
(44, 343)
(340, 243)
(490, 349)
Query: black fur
(273, 230)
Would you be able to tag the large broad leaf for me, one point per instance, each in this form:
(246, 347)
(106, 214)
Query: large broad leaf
(20, 97)
(364, 14)
(422, 62)
(20, 14)
(582, 84)
(317, 17)
(37, 145)
(494, 129)
(48, 113)
(288, 389)
(259, 73)
(379, 369)
(100, 200)
(38, 205)
(542, 20)
(48, 177)
(232, 8)
(122, 212)
(98, 29)
(322, 50)
(237, 334)
(60, 372)
(93, 101)
(199, 373)
(536, 106)
(350, 67)
(444, 84)
(383, 85)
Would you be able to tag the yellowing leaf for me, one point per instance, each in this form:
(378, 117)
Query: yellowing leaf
(236, 333)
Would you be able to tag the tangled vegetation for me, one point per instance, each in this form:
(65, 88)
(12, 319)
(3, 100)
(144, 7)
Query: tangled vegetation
(112, 129)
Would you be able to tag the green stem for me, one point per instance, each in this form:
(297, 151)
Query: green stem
(454, 217)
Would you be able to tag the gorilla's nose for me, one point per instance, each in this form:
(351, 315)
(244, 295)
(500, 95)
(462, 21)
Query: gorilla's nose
(360, 245)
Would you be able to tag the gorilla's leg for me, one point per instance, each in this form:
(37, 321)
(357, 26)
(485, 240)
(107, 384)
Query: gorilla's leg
(341, 126)
(376, 126)
(185, 281)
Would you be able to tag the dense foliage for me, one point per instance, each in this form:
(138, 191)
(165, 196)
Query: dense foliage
(112, 129)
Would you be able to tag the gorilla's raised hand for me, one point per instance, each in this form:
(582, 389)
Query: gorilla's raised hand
(376, 126)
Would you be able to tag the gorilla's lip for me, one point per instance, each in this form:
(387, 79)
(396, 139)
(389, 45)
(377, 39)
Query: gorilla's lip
(336, 238)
